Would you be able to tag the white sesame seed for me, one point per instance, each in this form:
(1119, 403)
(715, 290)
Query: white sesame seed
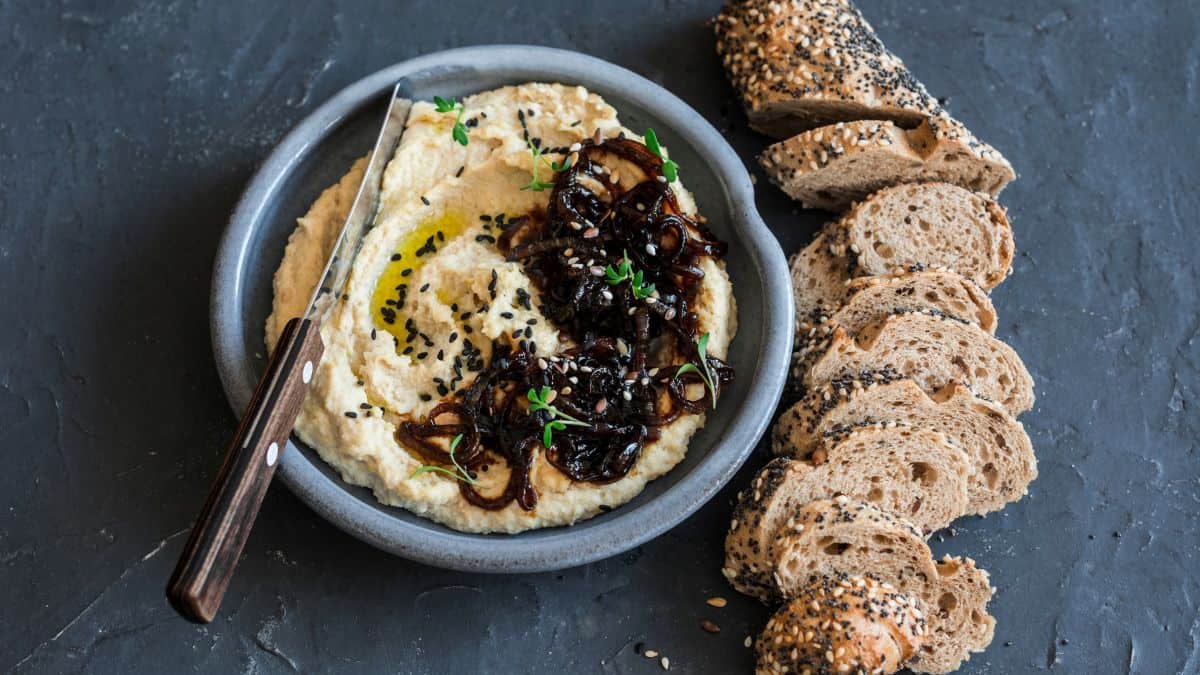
(596, 270)
(651, 249)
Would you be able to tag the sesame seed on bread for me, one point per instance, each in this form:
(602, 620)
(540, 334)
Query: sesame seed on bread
(801, 64)
(930, 348)
(833, 166)
(995, 443)
(844, 624)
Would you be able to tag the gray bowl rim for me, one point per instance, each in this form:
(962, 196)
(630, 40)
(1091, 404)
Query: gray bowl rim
(556, 548)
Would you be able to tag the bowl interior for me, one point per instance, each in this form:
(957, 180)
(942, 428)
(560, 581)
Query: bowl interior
(321, 149)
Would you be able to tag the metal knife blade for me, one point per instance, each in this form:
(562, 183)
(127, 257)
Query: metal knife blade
(362, 212)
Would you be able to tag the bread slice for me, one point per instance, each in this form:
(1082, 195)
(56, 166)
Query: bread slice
(843, 537)
(932, 225)
(829, 537)
(798, 65)
(819, 275)
(931, 349)
(997, 446)
(833, 166)
(959, 610)
(762, 510)
(914, 472)
(869, 299)
(842, 625)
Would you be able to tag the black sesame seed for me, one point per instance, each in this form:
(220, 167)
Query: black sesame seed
(364, 406)
(426, 397)
(424, 200)
(405, 272)
(351, 414)
(396, 257)
(424, 288)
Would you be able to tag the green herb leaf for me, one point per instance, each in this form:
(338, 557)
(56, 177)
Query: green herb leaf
(559, 420)
(623, 271)
(703, 370)
(669, 168)
(460, 472)
(536, 183)
(459, 131)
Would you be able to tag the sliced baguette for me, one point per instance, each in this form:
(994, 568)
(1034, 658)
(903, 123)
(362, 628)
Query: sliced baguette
(834, 166)
(959, 610)
(914, 472)
(931, 349)
(932, 225)
(843, 537)
(996, 444)
(801, 64)
(842, 625)
(868, 299)
(917, 473)
(828, 537)
(819, 275)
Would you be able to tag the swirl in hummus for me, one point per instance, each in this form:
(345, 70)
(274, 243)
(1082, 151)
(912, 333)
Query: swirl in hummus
(479, 291)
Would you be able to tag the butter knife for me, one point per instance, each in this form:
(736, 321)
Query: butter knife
(206, 565)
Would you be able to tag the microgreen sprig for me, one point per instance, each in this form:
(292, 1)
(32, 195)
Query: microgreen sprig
(459, 132)
(535, 183)
(460, 473)
(623, 271)
(559, 420)
(703, 370)
(669, 168)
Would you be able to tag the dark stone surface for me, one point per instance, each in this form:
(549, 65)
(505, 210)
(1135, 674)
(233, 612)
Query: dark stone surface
(127, 132)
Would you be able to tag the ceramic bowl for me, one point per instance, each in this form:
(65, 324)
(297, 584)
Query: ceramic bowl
(323, 146)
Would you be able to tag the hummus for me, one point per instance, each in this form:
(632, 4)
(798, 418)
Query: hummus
(431, 291)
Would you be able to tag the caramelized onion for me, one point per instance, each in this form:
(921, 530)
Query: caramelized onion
(620, 405)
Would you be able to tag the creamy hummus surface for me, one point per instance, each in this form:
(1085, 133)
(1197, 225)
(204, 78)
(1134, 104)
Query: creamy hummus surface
(431, 291)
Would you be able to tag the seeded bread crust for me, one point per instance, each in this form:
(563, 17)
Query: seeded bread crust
(801, 64)
(996, 444)
(847, 624)
(959, 609)
(832, 167)
(868, 299)
(929, 348)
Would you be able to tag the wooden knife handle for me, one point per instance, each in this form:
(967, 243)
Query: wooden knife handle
(206, 564)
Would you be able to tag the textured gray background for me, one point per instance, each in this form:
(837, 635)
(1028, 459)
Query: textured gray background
(128, 130)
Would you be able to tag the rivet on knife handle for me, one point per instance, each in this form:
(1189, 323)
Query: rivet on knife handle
(206, 564)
